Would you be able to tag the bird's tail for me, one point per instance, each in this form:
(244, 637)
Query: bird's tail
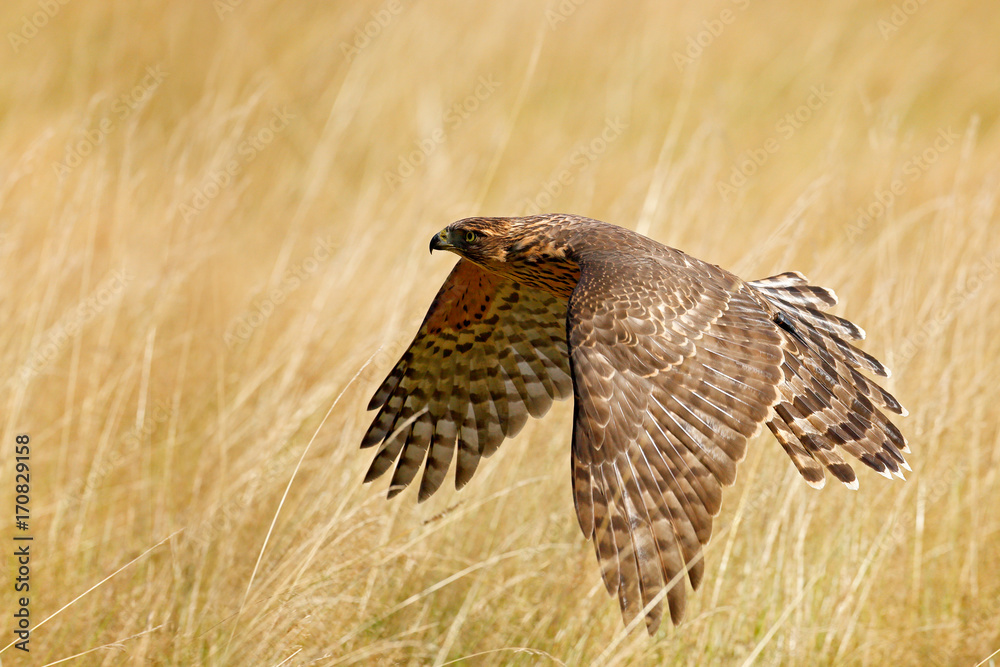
(826, 405)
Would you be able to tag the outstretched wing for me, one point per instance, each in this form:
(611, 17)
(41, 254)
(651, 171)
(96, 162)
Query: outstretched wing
(827, 406)
(675, 366)
(489, 353)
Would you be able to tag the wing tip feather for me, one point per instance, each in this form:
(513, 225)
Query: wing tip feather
(816, 483)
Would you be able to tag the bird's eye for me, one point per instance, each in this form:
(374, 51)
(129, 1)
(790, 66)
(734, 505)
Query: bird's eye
(470, 237)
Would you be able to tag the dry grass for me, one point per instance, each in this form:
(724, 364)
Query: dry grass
(171, 356)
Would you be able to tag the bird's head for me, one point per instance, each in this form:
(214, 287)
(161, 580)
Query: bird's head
(484, 241)
(532, 251)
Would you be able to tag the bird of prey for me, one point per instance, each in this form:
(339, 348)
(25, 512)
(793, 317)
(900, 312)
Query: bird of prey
(673, 364)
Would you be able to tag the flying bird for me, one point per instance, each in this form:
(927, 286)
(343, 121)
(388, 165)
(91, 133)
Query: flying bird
(674, 364)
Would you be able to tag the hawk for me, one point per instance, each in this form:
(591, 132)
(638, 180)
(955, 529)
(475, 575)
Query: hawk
(673, 364)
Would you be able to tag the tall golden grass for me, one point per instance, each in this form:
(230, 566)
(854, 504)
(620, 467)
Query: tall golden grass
(213, 230)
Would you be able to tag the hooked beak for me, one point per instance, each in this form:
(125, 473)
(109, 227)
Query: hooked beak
(440, 241)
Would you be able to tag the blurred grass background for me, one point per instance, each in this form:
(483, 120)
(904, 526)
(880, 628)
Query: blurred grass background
(213, 225)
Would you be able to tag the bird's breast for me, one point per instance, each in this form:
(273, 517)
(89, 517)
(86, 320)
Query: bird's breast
(556, 275)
